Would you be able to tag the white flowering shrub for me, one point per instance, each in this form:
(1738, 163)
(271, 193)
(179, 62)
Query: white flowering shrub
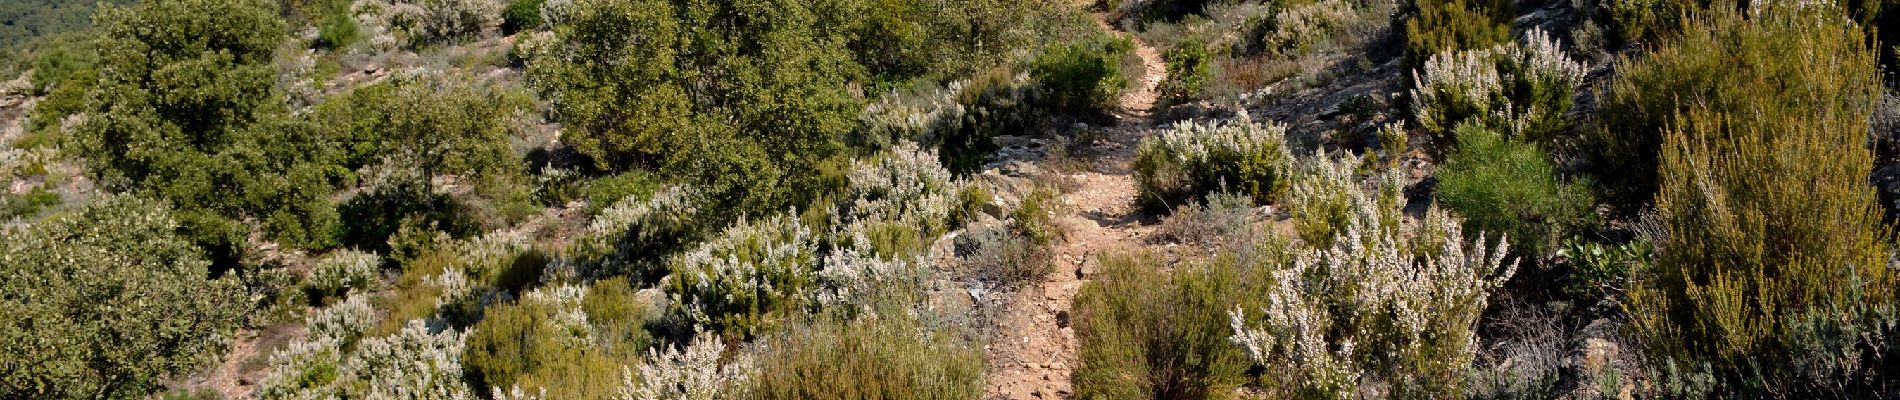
(1321, 201)
(630, 236)
(1198, 157)
(858, 281)
(415, 363)
(742, 281)
(344, 271)
(1380, 303)
(393, 23)
(692, 372)
(343, 322)
(1524, 87)
(896, 202)
(568, 318)
(913, 115)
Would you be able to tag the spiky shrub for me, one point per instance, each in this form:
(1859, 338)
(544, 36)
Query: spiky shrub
(1720, 67)
(415, 363)
(1443, 26)
(1081, 77)
(1196, 158)
(343, 272)
(1382, 303)
(873, 357)
(1508, 186)
(1772, 232)
(745, 280)
(1144, 332)
(1523, 89)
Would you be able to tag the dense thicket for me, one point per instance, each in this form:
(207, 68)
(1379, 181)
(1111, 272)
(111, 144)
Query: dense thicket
(185, 111)
(1774, 270)
(24, 20)
(106, 301)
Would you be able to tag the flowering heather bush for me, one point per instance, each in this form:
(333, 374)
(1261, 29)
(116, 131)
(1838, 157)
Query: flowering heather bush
(691, 372)
(343, 322)
(414, 363)
(859, 281)
(415, 23)
(914, 115)
(1196, 158)
(1321, 201)
(896, 202)
(1524, 88)
(629, 237)
(344, 271)
(741, 282)
(1380, 304)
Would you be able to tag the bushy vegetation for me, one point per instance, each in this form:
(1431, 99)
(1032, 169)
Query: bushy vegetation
(1774, 247)
(1082, 77)
(880, 357)
(30, 19)
(1197, 158)
(1145, 333)
(1522, 89)
(568, 341)
(1509, 187)
(1443, 26)
(185, 113)
(108, 301)
(1189, 69)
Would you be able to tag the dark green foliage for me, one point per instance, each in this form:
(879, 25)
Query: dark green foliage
(741, 98)
(1147, 333)
(1189, 69)
(898, 40)
(1776, 253)
(890, 356)
(521, 15)
(379, 212)
(55, 59)
(185, 111)
(609, 190)
(1597, 269)
(107, 301)
(436, 125)
(995, 103)
(1452, 25)
(1509, 187)
(23, 20)
(1081, 77)
(337, 30)
(66, 99)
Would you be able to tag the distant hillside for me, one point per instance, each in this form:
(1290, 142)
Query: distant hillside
(23, 20)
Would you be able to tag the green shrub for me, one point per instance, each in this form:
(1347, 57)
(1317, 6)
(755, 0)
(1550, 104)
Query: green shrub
(1772, 230)
(1081, 77)
(1197, 158)
(521, 15)
(338, 30)
(1597, 269)
(108, 301)
(55, 63)
(1147, 333)
(610, 190)
(1635, 21)
(632, 237)
(1443, 26)
(1190, 67)
(740, 100)
(1507, 187)
(26, 204)
(874, 357)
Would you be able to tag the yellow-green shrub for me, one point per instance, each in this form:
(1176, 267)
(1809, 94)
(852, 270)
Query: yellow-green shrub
(1147, 333)
(1454, 25)
(1771, 227)
(875, 357)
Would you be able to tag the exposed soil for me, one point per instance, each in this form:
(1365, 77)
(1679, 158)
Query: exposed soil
(1033, 351)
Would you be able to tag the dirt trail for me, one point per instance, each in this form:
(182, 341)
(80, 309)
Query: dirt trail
(1034, 351)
